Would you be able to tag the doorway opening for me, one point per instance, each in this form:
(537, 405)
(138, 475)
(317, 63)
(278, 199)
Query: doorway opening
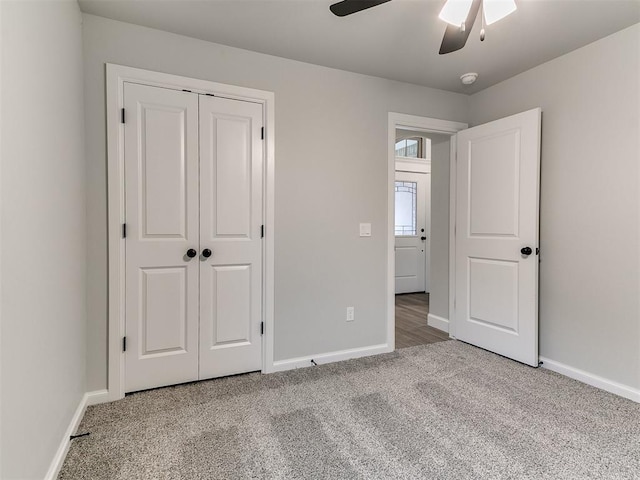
(414, 201)
(420, 150)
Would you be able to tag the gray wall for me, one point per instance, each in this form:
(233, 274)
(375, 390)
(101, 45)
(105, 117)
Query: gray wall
(440, 161)
(331, 167)
(590, 201)
(43, 232)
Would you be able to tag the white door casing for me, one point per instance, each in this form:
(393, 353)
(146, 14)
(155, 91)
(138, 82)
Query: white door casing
(497, 211)
(427, 125)
(161, 197)
(117, 76)
(231, 154)
(410, 248)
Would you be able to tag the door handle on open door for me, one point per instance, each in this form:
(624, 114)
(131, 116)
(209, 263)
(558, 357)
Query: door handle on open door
(423, 238)
(526, 251)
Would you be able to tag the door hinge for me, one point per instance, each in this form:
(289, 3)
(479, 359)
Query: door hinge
(124, 344)
(122, 115)
(124, 230)
(261, 231)
(262, 133)
(261, 328)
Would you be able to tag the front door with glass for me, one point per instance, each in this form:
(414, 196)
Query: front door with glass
(410, 231)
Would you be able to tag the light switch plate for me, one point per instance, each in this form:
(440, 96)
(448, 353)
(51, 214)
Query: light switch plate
(365, 229)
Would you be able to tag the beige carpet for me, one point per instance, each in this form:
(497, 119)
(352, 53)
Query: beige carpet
(441, 411)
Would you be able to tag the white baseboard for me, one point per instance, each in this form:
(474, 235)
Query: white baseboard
(97, 396)
(438, 322)
(591, 379)
(88, 399)
(301, 362)
(58, 459)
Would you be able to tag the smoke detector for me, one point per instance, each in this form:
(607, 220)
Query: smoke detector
(469, 78)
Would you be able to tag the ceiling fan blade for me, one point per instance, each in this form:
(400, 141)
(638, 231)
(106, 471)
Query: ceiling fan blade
(347, 7)
(454, 38)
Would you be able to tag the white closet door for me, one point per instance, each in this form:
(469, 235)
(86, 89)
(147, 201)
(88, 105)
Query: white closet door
(231, 162)
(161, 171)
(498, 184)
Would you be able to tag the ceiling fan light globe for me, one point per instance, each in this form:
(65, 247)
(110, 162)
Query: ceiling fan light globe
(495, 10)
(455, 12)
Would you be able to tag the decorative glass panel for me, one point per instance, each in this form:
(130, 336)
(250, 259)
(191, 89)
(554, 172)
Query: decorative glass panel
(406, 215)
(408, 147)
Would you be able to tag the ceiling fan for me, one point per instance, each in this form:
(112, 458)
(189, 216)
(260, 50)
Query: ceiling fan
(459, 15)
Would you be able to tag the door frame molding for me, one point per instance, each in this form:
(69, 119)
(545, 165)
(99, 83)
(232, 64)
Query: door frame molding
(424, 125)
(116, 76)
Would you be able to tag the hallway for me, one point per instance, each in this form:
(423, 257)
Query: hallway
(411, 321)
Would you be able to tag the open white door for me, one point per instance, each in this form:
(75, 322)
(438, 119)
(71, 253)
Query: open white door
(497, 209)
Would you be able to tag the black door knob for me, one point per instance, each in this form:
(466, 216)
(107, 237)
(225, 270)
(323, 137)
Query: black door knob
(423, 238)
(526, 251)
(206, 253)
(191, 253)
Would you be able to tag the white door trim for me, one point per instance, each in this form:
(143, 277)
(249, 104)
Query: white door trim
(453, 169)
(116, 76)
(426, 125)
(413, 166)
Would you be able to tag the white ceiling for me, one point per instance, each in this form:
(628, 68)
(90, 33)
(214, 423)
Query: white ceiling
(398, 40)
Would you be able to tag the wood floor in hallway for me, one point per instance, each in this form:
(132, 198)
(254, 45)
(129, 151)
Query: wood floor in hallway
(411, 321)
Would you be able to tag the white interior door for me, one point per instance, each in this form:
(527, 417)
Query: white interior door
(193, 196)
(231, 163)
(161, 197)
(411, 193)
(497, 207)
